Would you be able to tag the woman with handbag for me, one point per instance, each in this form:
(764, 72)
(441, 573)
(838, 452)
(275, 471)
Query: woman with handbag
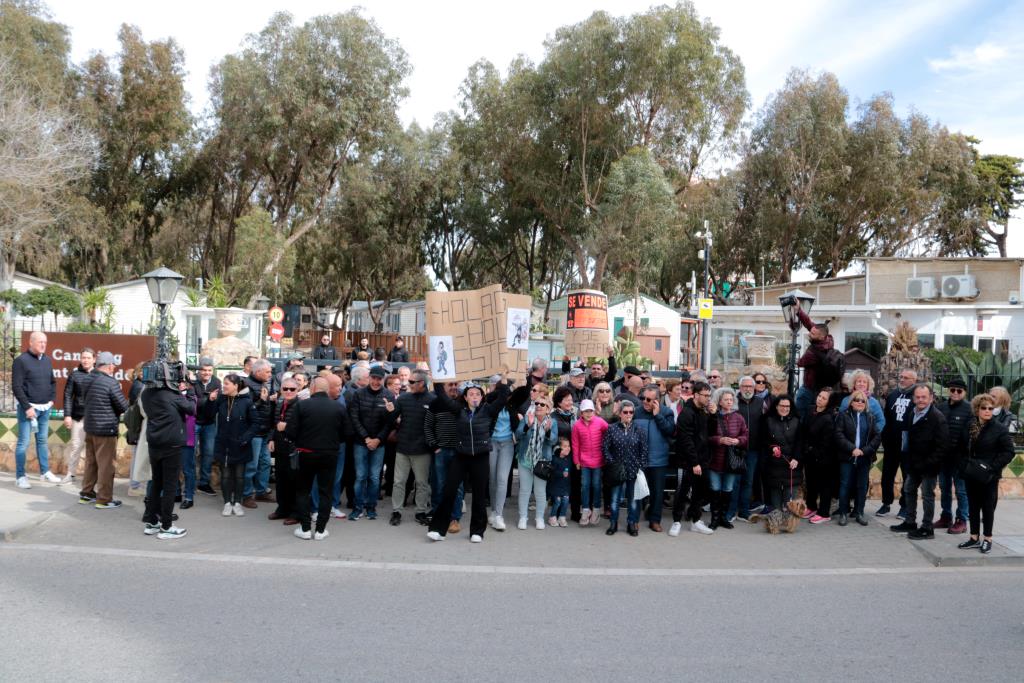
(728, 441)
(857, 437)
(781, 438)
(819, 458)
(536, 434)
(625, 453)
(989, 450)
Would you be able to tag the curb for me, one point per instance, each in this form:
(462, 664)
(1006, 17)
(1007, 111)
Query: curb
(9, 533)
(1000, 557)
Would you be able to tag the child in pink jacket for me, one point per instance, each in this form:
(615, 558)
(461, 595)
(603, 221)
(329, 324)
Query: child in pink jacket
(587, 436)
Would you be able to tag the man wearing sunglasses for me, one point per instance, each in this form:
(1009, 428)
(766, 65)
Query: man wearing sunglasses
(957, 411)
(410, 409)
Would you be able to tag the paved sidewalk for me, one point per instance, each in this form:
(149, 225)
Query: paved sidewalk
(48, 515)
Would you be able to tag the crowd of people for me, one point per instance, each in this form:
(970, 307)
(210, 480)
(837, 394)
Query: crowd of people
(360, 430)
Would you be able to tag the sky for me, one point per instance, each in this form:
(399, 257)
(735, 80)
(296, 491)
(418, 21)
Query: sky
(959, 62)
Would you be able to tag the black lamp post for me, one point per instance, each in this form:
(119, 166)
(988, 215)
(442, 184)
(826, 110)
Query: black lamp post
(163, 286)
(791, 302)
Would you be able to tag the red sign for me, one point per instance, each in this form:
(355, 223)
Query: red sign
(276, 331)
(276, 314)
(64, 349)
(587, 310)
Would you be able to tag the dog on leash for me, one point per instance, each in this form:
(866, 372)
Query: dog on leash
(788, 520)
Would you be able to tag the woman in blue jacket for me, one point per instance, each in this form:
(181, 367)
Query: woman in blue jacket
(237, 424)
(537, 434)
(625, 443)
(861, 380)
(658, 423)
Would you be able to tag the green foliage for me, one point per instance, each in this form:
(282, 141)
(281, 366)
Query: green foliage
(944, 361)
(80, 326)
(154, 329)
(196, 297)
(98, 309)
(217, 293)
(627, 351)
(256, 242)
(38, 302)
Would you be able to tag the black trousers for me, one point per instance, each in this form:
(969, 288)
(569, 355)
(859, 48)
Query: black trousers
(166, 464)
(699, 493)
(981, 499)
(891, 463)
(387, 481)
(320, 466)
(284, 478)
(232, 483)
(575, 492)
(478, 469)
(348, 476)
(821, 476)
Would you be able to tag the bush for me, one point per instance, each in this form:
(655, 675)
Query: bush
(944, 360)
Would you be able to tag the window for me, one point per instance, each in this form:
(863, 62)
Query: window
(874, 343)
(927, 341)
(657, 345)
(645, 323)
(1000, 347)
(962, 340)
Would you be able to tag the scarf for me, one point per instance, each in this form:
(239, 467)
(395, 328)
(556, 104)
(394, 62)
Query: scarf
(535, 446)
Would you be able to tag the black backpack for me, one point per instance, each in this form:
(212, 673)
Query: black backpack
(831, 368)
(133, 421)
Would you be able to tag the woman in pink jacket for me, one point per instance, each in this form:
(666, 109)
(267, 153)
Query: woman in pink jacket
(587, 436)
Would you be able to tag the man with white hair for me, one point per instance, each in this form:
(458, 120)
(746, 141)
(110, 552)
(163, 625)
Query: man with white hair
(34, 389)
(257, 471)
(538, 372)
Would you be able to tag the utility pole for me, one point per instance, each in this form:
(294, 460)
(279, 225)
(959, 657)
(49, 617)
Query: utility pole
(705, 326)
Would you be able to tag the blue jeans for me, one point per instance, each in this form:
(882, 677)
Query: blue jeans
(739, 504)
(625, 490)
(560, 506)
(439, 472)
(721, 481)
(853, 475)
(206, 438)
(339, 469)
(188, 466)
(25, 435)
(590, 488)
(368, 465)
(257, 470)
(804, 401)
(947, 482)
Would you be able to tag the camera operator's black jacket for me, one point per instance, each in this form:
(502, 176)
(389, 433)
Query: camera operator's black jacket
(318, 425)
(74, 393)
(104, 405)
(165, 416)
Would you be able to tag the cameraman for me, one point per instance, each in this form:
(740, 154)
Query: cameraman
(166, 403)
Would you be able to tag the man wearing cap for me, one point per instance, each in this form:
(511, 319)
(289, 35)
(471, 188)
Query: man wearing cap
(206, 387)
(370, 424)
(577, 386)
(398, 353)
(957, 411)
(104, 405)
(598, 373)
(34, 387)
(363, 347)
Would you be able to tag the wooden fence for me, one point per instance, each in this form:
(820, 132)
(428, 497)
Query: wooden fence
(416, 346)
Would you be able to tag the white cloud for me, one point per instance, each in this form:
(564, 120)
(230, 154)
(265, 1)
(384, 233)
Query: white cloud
(982, 56)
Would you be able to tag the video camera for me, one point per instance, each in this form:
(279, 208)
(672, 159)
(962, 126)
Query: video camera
(157, 373)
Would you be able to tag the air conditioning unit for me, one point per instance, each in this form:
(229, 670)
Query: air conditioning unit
(921, 288)
(959, 287)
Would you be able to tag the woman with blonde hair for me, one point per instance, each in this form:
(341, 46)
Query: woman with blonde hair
(604, 401)
(861, 380)
(1001, 413)
(989, 450)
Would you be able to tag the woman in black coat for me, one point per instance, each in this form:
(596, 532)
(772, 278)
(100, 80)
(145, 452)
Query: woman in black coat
(989, 450)
(819, 457)
(237, 424)
(857, 438)
(781, 439)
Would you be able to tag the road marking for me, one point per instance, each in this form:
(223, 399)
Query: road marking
(488, 569)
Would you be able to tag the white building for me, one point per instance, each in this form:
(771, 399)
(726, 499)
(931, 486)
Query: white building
(24, 283)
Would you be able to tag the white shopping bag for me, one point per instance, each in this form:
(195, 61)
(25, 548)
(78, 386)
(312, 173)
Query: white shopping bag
(640, 489)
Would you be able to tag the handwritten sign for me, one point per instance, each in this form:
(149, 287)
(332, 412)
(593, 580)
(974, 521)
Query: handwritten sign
(586, 324)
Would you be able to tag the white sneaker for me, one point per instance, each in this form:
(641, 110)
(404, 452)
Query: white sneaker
(338, 514)
(151, 529)
(463, 506)
(476, 538)
(707, 508)
(304, 535)
(499, 523)
(23, 483)
(700, 527)
(435, 536)
(321, 535)
(675, 529)
(540, 525)
(226, 512)
(66, 479)
(237, 510)
(522, 523)
(173, 532)
(563, 522)
(50, 477)
(490, 517)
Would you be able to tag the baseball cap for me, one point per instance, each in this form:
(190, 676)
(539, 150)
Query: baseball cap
(576, 372)
(378, 371)
(632, 370)
(105, 358)
(586, 404)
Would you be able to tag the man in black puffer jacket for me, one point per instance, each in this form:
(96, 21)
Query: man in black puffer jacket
(165, 409)
(74, 408)
(475, 416)
(317, 427)
(413, 453)
(927, 441)
(257, 471)
(370, 424)
(104, 405)
(695, 452)
(957, 411)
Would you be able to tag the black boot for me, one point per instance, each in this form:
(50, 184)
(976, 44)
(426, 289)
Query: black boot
(715, 513)
(723, 510)
(612, 528)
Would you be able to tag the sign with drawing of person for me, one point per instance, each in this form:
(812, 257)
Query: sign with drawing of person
(442, 358)
(517, 334)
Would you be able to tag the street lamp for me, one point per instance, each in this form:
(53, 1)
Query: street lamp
(262, 303)
(705, 253)
(791, 303)
(163, 286)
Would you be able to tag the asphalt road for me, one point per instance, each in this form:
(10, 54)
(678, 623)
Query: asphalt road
(86, 614)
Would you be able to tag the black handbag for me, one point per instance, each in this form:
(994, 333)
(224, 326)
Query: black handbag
(615, 473)
(543, 469)
(978, 471)
(735, 463)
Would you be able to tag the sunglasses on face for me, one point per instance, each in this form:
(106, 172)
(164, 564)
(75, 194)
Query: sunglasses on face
(986, 408)
(650, 399)
(957, 390)
(625, 412)
(858, 400)
(288, 389)
(605, 391)
(759, 381)
(415, 381)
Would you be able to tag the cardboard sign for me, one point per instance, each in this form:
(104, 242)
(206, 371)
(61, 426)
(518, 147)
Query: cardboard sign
(64, 349)
(474, 327)
(586, 324)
